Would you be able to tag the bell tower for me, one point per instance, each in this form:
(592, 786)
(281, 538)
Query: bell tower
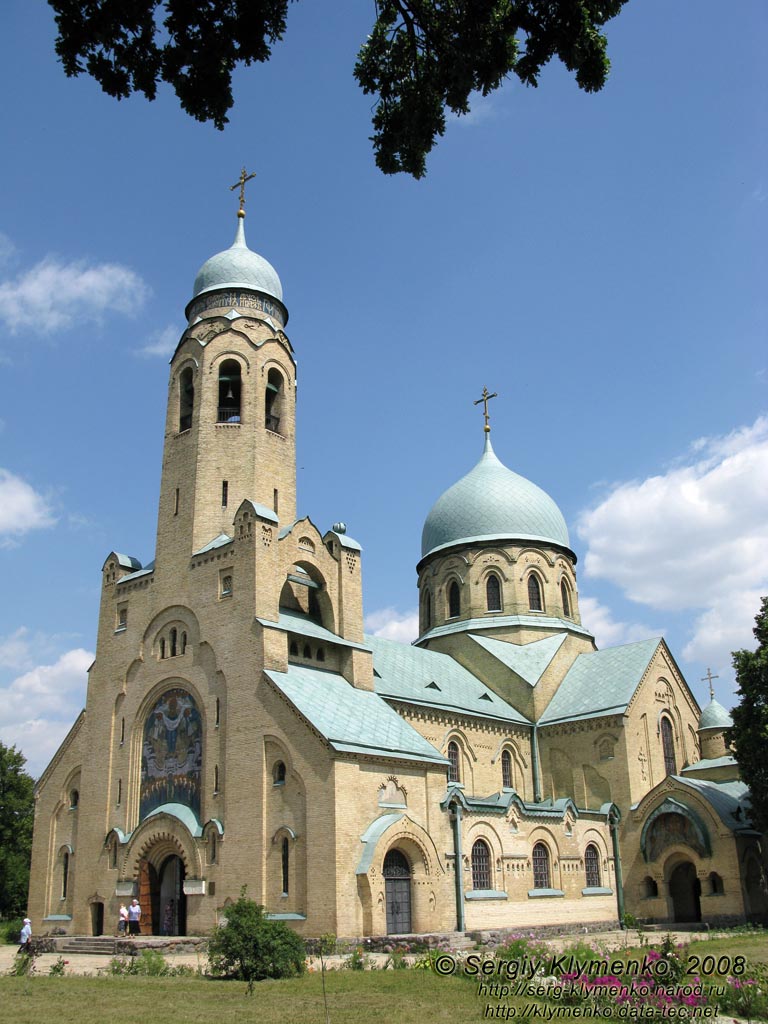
(231, 413)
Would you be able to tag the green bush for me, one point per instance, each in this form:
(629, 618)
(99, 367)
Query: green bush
(251, 948)
(10, 930)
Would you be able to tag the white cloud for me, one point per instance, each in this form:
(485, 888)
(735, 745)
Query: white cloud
(481, 109)
(393, 625)
(161, 343)
(7, 250)
(599, 620)
(21, 508)
(40, 706)
(692, 539)
(53, 294)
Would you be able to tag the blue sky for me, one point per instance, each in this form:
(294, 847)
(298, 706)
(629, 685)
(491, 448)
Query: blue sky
(599, 261)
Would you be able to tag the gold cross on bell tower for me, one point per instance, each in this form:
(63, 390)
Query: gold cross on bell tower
(244, 176)
(485, 400)
(708, 679)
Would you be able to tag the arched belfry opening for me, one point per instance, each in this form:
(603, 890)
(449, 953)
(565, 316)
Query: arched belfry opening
(230, 392)
(186, 398)
(273, 400)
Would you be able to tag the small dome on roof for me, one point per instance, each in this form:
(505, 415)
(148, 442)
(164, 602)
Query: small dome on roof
(238, 267)
(493, 503)
(714, 716)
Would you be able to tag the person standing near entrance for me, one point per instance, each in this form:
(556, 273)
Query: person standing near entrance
(25, 937)
(122, 920)
(168, 918)
(134, 917)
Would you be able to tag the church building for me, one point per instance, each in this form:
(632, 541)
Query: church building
(240, 728)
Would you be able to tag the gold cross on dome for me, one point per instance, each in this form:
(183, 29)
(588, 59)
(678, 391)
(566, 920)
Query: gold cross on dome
(708, 679)
(485, 400)
(244, 176)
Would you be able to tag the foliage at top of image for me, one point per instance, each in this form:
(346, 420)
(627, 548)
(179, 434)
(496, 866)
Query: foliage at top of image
(749, 735)
(17, 808)
(421, 59)
(251, 948)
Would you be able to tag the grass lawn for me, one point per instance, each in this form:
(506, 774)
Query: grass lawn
(408, 996)
(411, 997)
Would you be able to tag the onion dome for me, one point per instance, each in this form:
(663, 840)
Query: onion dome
(238, 267)
(714, 716)
(493, 503)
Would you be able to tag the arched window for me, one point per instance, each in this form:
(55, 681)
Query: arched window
(212, 849)
(183, 643)
(186, 399)
(506, 769)
(122, 731)
(273, 400)
(278, 773)
(540, 858)
(427, 610)
(174, 637)
(493, 593)
(454, 774)
(534, 593)
(307, 652)
(454, 600)
(650, 888)
(293, 649)
(285, 864)
(668, 746)
(716, 887)
(481, 865)
(64, 874)
(218, 710)
(74, 800)
(320, 654)
(566, 598)
(230, 391)
(162, 647)
(592, 866)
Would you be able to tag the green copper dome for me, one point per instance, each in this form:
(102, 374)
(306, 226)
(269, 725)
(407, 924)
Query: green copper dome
(238, 267)
(714, 716)
(493, 503)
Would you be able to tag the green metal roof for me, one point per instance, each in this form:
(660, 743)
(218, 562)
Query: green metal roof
(428, 678)
(351, 720)
(529, 661)
(493, 502)
(294, 622)
(729, 799)
(218, 542)
(714, 716)
(238, 267)
(601, 682)
(726, 761)
(503, 621)
(183, 814)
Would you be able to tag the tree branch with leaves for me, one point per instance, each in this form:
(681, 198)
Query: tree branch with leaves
(422, 58)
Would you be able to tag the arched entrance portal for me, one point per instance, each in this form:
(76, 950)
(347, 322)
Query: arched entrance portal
(685, 890)
(162, 899)
(397, 883)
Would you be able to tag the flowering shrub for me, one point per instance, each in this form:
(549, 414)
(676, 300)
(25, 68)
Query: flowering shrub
(747, 996)
(57, 970)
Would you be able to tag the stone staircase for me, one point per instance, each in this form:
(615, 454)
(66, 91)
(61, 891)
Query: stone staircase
(93, 945)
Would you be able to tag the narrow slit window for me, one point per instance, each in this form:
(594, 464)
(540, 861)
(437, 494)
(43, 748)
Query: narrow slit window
(454, 772)
(285, 864)
(566, 599)
(506, 769)
(493, 593)
(454, 600)
(224, 493)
